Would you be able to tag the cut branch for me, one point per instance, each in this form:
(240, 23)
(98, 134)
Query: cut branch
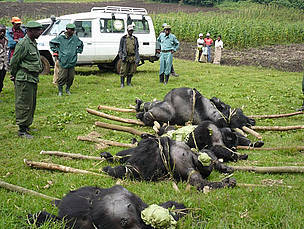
(277, 128)
(273, 148)
(71, 155)
(56, 167)
(100, 107)
(22, 190)
(115, 118)
(277, 169)
(103, 141)
(120, 128)
(276, 115)
(261, 185)
(250, 131)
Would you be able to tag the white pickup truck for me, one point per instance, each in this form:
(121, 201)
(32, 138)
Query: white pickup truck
(101, 30)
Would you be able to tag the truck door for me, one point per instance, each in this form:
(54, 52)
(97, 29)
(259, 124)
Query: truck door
(110, 32)
(84, 32)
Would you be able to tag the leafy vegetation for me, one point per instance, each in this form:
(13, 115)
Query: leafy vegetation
(240, 24)
(60, 120)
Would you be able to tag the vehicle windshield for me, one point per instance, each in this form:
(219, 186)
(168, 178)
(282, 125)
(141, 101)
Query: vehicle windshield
(141, 26)
(58, 27)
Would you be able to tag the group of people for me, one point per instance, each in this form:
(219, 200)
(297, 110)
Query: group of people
(19, 53)
(167, 44)
(203, 50)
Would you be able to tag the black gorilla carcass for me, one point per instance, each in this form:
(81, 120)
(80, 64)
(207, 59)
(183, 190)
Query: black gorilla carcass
(206, 135)
(160, 158)
(102, 208)
(182, 105)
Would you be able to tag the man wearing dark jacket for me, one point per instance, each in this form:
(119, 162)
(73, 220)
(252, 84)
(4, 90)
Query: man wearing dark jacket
(129, 55)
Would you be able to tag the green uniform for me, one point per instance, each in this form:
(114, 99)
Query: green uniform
(128, 66)
(67, 49)
(25, 66)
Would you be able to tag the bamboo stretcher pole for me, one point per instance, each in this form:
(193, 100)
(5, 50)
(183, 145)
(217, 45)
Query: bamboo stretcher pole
(100, 107)
(119, 128)
(276, 115)
(103, 141)
(22, 190)
(277, 169)
(71, 155)
(56, 167)
(277, 128)
(251, 131)
(115, 118)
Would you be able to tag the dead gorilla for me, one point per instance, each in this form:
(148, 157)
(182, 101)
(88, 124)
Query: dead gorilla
(159, 158)
(182, 105)
(221, 141)
(102, 208)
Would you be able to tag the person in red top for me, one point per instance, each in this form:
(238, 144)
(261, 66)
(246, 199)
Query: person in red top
(14, 35)
(209, 43)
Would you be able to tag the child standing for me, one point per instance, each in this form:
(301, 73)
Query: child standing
(218, 50)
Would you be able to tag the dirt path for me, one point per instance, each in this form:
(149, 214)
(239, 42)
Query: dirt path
(282, 57)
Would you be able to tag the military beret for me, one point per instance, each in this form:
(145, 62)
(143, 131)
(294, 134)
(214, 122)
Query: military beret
(33, 25)
(70, 26)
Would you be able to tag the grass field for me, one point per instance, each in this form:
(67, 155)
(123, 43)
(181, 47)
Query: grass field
(60, 120)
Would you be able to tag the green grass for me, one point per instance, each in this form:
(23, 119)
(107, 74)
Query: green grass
(61, 120)
(241, 25)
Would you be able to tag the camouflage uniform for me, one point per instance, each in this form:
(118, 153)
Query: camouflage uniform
(25, 67)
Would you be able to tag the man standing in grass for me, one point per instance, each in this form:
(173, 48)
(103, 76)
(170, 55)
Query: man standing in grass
(3, 56)
(129, 55)
(25, 68)
(168, 44)
(302, 108)
(67, 46)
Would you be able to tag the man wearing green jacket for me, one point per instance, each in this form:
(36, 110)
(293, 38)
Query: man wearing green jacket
(25, 67)
(67, 46)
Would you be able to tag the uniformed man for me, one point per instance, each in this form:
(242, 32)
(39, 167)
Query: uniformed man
(168, 44)
(302, 108)
(25, 68)
(129, 55)
(67, 46)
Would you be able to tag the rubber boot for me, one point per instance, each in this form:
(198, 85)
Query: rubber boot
(60, 89)
(67, 90)
(122, 81)
(23, 133)
(161, 78)
(166, 79)
(129, 78)
(301, 108)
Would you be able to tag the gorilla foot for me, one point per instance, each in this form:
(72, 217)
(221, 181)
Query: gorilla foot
(258, 144)
(229, 182)
(138, 104)
(107, 156)
(243, 157)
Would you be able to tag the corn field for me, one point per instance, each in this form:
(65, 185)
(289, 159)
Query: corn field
(242, 28)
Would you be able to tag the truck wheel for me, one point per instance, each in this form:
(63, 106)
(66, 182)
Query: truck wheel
(46, 65)
(117, 66)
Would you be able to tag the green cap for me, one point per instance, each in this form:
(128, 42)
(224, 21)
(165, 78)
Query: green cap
(70, 26)
(33, 25)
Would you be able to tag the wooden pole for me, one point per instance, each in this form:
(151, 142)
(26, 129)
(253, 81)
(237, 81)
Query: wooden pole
(100, 107)
(22, 190)
(107, 142)
(273, 148)
(71, 155)
(250, 131)
(56, 167)
(276, 115)
(277, 169)
(119, 128)
(261, 185)
(277, 128)
(115, 118)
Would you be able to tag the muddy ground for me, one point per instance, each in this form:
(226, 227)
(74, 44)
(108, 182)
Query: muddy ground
(282, 57)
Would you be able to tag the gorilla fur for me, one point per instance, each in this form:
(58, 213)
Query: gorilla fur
(182, 105)
(102, 208)
(159, 158)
